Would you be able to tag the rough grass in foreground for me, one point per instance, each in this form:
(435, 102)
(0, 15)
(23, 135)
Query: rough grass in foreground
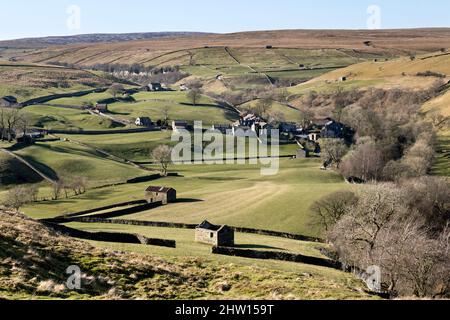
(33, 261)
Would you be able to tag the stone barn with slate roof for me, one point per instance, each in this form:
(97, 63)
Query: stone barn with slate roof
(164, 194)
(220, 236)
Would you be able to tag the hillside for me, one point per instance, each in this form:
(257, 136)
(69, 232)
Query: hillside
(417, 73)
(27, 81)
(34, 259)
(89, 38)
(393, 42)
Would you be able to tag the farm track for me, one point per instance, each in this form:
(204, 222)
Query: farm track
(103, 115)
(29, 165)
(108, 155)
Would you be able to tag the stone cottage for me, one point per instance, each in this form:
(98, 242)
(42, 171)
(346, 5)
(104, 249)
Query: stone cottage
(101, 107)
(164, 194)
(8, 101)
(214, 235)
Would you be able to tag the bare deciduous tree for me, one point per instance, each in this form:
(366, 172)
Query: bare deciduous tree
(165, 115)
(57, 188)
(365, 162)
(384, 228)
(194, 95)
(19, 196)
(330, 209)
(333, 150)
(163, 156)
(262, 106)
(11, 119)
(16, 198)
(306, 117)
(116, 89)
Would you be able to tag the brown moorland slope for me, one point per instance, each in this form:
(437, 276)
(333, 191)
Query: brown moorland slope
(398, 42)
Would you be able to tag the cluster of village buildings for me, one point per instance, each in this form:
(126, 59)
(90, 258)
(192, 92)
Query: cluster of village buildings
(248, 125)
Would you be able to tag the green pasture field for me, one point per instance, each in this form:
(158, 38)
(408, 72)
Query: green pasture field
(225, 194)
(57, 118)
(57, 159)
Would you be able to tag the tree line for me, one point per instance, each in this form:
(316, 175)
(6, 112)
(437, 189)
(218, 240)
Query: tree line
(399, 217)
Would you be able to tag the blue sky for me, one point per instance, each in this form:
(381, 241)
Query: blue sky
(27, 18)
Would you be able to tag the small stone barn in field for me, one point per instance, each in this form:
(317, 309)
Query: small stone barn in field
(101, 107)
(214, 235)
(8, 101)
(164, 194)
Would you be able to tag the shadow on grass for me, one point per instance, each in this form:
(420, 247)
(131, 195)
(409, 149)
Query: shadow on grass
(188, 200)
(256, 246)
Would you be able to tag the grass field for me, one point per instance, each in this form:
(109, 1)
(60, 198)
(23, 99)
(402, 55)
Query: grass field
(442, 164)
(63, 158)
(133, 146)
(31, 81)
(398, 73)
(225, 194)
(79, 101)
(187, 247)
(157, 274)
(56, 118)
(206, 111)
(288, 114)
(439, 105)
(146, 104)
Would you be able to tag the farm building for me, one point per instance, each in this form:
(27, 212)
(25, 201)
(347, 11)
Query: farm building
(164, 194)
(184, 87)
(214, 235)
(144, 122)
(287, 127)
(333, 130)
(155, 87)
(8, 101)
(29, 136)
(250, 125)
(101, 107)
(178, 125)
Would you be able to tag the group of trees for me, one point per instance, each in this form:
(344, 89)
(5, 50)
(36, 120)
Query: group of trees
(67, 184)
(400, 220)
(402, 228)
(392, 140)
(387, 159)
(12, 121)
(17, 197)
(143, 74)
